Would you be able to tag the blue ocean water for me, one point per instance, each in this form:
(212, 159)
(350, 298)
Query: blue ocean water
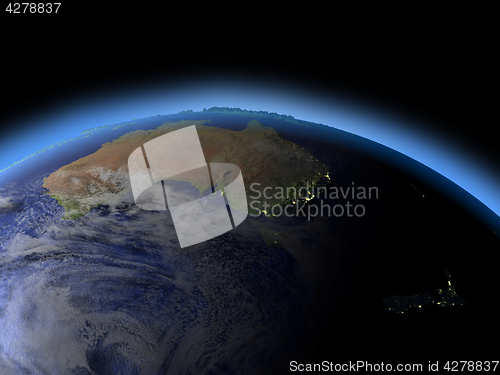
(111, 292)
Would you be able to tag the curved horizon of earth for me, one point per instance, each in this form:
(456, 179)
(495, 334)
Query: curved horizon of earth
(393, 158)
(92, 284)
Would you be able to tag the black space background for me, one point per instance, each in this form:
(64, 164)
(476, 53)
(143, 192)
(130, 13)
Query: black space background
(436, 66)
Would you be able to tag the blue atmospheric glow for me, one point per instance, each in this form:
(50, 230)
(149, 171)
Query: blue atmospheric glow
(139, 101)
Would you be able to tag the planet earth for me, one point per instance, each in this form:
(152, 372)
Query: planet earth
(349, 252)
